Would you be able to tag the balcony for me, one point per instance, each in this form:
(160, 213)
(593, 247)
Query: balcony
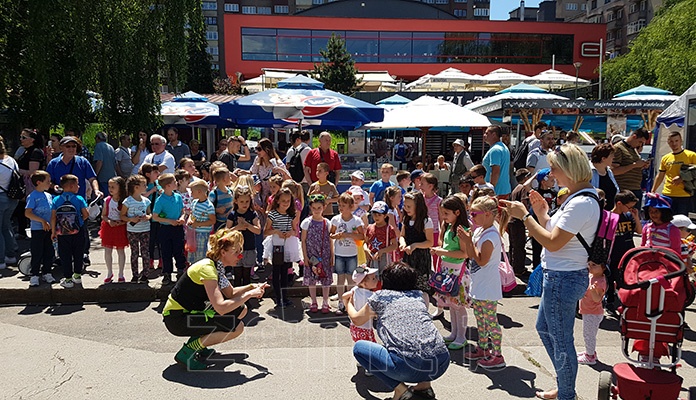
(616, 23)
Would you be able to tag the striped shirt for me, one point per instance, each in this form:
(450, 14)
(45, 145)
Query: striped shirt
(200, 211)
(221, 198)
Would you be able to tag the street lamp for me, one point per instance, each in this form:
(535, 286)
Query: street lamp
(577, 66)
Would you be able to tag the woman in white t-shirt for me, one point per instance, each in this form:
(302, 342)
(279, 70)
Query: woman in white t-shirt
(8, 244)
(564, 259)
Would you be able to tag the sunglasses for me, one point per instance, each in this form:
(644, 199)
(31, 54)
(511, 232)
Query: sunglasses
(561, 153)
(259, 149)
(316, 197)
(24, 137)
(361, 269)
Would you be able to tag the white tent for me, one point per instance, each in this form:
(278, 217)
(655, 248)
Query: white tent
(554, 79)
(502, 77)
(448, 79)
(427, 112)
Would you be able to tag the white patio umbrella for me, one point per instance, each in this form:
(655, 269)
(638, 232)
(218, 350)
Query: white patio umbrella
(448, 79)
(428, 112)
(554, 79)
(502, 77)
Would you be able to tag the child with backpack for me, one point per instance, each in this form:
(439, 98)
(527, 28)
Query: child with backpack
(135, 210)
(688, 246)
(67, 218)
(38, 210)
(113, 230)
(628, 224)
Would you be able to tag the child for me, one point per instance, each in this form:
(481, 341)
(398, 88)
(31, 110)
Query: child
(629, 223)
(403, 179)
(478, 174)
(357, 179)
(298, 194)
(169, 212)
(359, 211)
(151, 173)
(244, 219)
(432, 201)
(113, 230)
(380, 238)
(466, 184)
(318, 253)
(221, 196)
(453, 256)
(687, 240)
(378, 187)
(345, 231)
(260, 208)
(366, 280)
(484, 249)
(38, 210)
(135, 210)
(275, 182)
(68, 216)
(183, 178)
(516, 229)
(416, 179)
(323, 186)
(417, 238)
(660, 231)
(202, 219)
(281, 244)
(592, 314)
(392, 197)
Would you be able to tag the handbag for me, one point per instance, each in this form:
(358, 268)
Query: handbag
(445, 282)
(190, 245)
(535, 284)
(321, 272)
(507, 275)
(278, 255)
(15, 190)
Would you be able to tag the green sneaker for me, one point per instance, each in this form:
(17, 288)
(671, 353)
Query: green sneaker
(187, 357)
(205, 353)
(77, 278)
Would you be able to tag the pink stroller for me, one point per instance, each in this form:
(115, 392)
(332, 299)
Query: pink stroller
(655, 291)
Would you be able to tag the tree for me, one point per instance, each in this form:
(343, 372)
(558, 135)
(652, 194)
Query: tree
(200, 76)
(337, 70)
(662, 55)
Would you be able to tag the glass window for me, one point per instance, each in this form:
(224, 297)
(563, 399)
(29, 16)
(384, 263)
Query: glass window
(263, 10)
(363, 45)
(460, 1)
(209, 5)
(460, 13)
(572, 6)
(212, 50)
(643, 5)
(229, 7)
(583, 6)
(211, 20)
(441, 1)
(395, 47)
(294, 45)
(317, 2)
(281, 9)
(481, 12)
(211, 35)
(248, 9)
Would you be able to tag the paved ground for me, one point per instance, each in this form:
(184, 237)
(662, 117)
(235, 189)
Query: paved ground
(123, 351)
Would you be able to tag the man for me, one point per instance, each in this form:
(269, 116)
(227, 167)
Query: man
(628, 166)
(124, 157)
(400, 150)
(176, 147)
(670, 166)
(297, 140)
(104, 161)
(231, 156)
(160, 156)
(70, 163)
(536, 160)
(323, 154)
(497, 162)
(460, 164)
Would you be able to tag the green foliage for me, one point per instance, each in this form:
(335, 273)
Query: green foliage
(661, 56)
(200, 75)
(228, 86)
(337, 70)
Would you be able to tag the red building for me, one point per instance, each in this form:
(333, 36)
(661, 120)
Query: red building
(410, 48)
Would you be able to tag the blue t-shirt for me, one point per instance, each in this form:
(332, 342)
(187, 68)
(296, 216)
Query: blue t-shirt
(378, 189)
(76, 200)
(200, 211)
(169, 207)
(80, 167)
(105, 153)
(499, 155)
(221, 198)
(41, 203)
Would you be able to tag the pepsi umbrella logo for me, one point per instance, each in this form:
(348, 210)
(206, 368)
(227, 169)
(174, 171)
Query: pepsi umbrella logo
(293, 107)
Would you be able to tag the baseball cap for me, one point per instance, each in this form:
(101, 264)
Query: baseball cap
(543, 174)
(358, 175)
(682, 221)
(361, 272)
(379, 207)
(416, 174)
(356, 190)
(68, 139)
(256, 179)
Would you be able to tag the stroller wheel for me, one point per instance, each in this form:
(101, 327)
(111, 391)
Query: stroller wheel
(24, 263)
(604, 391)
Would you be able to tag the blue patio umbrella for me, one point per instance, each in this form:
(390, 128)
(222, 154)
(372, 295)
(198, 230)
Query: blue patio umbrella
(643, 90)
(301, 101)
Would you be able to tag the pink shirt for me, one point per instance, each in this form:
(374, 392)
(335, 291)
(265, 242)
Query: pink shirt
(663, 235)
(433, 204)
(587, 305)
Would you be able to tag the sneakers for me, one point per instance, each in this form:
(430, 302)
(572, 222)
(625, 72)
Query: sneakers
(77, 278)
(34, 281)
(3, 265)
(587, 359)
(260, 268)
(143, 279)
(255, 278)
(334, 297)
(166, 279)
(134, 279)
(492, 362)
(341, 309)
(187, 357)
(475, 354)
(67, 283)
(11, 260)
(49, 278)
(86, 261)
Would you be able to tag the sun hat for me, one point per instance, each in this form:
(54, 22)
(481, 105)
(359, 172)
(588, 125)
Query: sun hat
(361, 272)
(657, 200)
(458, 142)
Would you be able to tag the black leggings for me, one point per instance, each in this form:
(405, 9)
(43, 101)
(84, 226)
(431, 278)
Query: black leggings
(242, 276)
(280, 280)
(180, 323)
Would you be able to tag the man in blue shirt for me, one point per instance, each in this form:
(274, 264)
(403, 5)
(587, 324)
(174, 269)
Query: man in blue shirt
(497, 162)
(104, 161)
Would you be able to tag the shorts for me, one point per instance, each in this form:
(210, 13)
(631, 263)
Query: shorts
(345, 265)
(248, 259)
(180, 323)
(358, 333)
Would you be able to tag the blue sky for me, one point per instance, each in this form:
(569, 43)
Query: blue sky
(501, 8)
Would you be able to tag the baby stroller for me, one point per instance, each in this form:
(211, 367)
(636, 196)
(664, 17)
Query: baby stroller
(655, 291)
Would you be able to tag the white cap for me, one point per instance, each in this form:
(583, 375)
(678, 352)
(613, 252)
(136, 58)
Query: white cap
(358, 174)
(682, 221)
(359, 276)
(459, 142)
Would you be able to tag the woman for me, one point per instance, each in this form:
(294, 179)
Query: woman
(266, 164)
(186, 313)
(413, 349)
(441, 165)
(32, 158)
(222, 146)
(141, 149)
(54, 145)
(197, 155)
(602, 178)
(564, 260)
(8, 245)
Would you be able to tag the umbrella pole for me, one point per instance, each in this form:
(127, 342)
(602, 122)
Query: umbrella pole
(424, 134)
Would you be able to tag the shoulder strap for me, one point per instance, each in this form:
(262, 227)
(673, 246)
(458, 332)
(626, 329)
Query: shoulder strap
(599, 224)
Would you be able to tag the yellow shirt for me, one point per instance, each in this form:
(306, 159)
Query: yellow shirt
(203, 270)
(671, 165)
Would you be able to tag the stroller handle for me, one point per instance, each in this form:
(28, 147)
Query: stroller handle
(646, 284)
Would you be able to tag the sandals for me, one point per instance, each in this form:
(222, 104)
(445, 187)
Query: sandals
(109, 279)
(325, 309)
(456, 346)
(313, 308)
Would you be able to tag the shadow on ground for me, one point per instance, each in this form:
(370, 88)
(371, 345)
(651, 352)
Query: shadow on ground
(216, 377)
